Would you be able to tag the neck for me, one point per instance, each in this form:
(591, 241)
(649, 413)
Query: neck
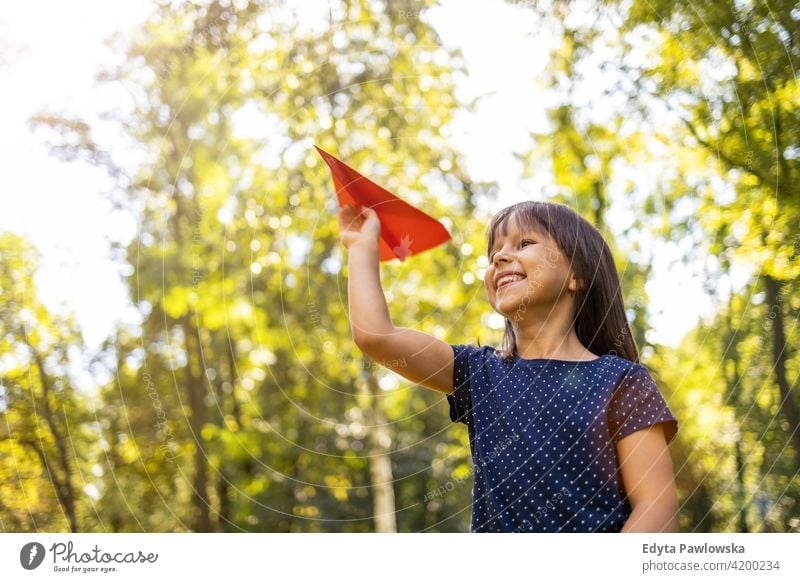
(550, 336)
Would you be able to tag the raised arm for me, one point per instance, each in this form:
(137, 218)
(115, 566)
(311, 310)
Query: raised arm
(417, 356)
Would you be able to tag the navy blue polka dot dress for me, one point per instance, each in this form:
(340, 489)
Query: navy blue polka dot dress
(542, 435)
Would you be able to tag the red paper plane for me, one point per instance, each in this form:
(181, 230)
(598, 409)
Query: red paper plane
(405, 231)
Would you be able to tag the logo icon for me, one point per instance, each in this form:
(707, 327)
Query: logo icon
(403, 250)
(31, 555)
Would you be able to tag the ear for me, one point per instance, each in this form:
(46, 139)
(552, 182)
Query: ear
(575, 284)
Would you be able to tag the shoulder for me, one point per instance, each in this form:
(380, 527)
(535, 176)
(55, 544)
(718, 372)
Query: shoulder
(475, 362)
(637, 402)
(632, 380)
(475, 353)
(622, 377)
(622, 368)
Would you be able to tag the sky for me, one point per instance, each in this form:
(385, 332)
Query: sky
(61, 207)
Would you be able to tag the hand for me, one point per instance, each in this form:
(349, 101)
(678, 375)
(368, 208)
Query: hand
(358, 226)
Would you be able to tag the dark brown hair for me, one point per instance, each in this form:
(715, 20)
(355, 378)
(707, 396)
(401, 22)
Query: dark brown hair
(600, 322)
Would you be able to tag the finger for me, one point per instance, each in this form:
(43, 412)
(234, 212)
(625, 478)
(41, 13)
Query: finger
(367, 214)
(350, 218)
(370, 215)
(347, 213)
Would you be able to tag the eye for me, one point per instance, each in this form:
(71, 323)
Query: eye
(525, 242)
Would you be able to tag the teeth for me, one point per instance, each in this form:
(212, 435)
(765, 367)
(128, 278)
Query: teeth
(508, 279)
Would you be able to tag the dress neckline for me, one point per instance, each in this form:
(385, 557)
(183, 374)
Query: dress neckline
(554, 361)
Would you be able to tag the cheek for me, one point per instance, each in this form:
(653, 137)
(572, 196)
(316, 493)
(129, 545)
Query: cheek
(489, 286)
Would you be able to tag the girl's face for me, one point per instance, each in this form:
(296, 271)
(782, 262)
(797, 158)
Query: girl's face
(526, 269)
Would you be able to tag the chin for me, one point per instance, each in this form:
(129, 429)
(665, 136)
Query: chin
(505, 305)
(505, 309)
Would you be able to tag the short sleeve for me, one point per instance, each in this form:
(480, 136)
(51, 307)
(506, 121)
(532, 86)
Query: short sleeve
(637, 404)
(460, 399)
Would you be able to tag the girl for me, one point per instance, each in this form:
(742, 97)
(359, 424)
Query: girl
(567, 431)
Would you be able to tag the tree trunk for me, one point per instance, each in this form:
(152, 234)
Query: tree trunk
(227, 373)
(195, 386)
(380, 461)
(730, 353)
(742, 491)
(63, 484)
(780, 354)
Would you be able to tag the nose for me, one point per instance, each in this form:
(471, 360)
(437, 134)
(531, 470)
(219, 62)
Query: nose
(500, 255)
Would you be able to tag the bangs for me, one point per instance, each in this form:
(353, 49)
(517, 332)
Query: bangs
(525, 217)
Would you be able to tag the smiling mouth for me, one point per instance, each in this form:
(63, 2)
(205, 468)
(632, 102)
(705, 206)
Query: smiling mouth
(510, 282)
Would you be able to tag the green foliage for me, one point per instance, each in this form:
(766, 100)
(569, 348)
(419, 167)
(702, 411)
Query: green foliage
(725, 70)
(239, 402)
(46, 448)
(714, 92)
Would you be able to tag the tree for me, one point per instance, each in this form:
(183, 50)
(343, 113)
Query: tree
(240, 402)
(46, 441)
(711, 90)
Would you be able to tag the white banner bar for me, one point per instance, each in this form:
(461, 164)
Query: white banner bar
(389, 557)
